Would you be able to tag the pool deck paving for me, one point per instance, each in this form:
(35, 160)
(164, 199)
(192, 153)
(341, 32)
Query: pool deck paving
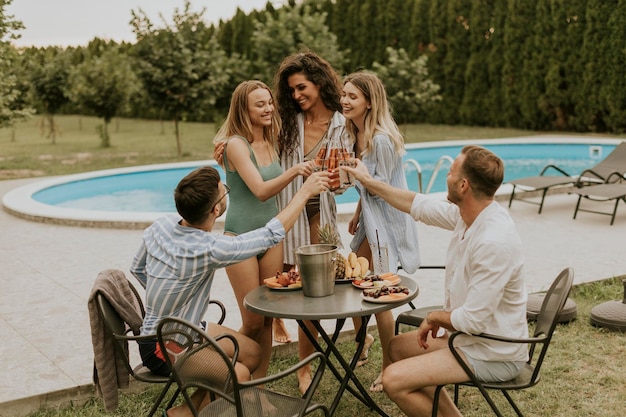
(49, 270)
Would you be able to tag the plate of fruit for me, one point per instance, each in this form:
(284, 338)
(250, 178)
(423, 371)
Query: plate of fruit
(284, 281)
(376, 280)
(385, 294)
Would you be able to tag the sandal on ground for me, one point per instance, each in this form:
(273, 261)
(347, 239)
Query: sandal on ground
(363, 359)
(377, 385)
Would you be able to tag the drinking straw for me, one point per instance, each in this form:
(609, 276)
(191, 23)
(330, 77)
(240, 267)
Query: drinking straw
(378, 246)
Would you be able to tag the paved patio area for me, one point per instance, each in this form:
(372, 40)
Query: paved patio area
(48, 272)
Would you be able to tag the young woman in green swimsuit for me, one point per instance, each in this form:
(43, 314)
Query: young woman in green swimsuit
(255, 177)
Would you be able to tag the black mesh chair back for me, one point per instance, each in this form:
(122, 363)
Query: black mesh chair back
(200, 361)
(547, 321)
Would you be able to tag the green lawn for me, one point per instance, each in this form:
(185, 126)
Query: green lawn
(583, 375)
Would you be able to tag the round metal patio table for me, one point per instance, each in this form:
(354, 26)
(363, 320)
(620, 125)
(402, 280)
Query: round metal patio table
(344, 303)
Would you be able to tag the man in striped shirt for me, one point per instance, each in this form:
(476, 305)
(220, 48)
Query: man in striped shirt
(178, 257)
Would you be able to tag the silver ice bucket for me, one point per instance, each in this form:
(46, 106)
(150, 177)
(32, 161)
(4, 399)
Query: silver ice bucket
(316, 264)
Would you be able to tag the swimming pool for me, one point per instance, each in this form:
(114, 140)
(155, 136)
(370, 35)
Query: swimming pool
(140, 194)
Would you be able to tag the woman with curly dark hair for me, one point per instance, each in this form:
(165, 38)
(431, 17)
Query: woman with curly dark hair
(308, 93)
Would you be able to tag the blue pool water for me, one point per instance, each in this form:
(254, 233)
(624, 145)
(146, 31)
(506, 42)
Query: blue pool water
(152, 190)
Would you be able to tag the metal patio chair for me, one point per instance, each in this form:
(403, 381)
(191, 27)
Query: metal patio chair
(547, 320)
(198, 360)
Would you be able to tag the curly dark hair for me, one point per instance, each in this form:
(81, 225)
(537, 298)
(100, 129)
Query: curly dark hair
(318, 71)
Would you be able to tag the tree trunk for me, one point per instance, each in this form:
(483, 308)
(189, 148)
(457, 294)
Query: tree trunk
(104, 135)
(179, 146)
(52, 134)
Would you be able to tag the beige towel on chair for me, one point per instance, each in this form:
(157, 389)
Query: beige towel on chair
(110, 372)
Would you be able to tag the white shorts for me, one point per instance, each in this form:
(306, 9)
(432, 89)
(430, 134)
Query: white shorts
(493, 371)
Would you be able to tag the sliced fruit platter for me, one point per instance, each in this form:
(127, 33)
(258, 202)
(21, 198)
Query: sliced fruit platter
(385, 294)
(369, 281)
(284, 281)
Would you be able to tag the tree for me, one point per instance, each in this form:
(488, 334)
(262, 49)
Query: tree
(182, 66)
(475, 108)
(595, 50)
(564, 65)
(409, 88)
(457, 47)
(49, 85)
(292, 30)
(614, 89)
(104, 85)
(517, 50)
(13, 106)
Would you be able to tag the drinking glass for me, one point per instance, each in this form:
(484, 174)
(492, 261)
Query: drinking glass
(380, 259)
(346, 179)
(318, 164)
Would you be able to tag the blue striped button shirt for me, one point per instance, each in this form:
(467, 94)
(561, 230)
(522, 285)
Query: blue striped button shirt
(176, 265)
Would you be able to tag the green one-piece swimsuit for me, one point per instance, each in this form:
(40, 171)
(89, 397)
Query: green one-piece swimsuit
(245, 211)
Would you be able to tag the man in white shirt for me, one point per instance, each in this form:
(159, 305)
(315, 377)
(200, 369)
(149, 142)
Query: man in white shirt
(484, 286)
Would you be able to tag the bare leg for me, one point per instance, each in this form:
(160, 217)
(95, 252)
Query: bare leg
(305, 348)
(411, 379)
(269, 264)
(385, 325)
(244, 277)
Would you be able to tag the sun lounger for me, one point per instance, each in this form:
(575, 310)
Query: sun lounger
(604, 192)
(615, 162)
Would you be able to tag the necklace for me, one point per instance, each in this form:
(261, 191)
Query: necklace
(310, 122)
(319, 121)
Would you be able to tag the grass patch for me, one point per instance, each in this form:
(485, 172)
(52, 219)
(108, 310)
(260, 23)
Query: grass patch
(582, 375)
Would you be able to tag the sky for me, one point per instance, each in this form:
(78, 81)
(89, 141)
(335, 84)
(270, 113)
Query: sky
(76, 22)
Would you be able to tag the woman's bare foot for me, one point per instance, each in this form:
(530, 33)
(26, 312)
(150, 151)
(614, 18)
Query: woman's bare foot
(363, 359)
(281, 334)
(377, 385)
(304, 378)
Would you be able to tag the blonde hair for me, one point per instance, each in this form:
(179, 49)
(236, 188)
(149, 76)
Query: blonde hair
(378, 118)
(238, 122)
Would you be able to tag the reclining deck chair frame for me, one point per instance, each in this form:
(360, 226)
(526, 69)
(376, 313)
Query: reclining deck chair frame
(605, 192)
(615, 162)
